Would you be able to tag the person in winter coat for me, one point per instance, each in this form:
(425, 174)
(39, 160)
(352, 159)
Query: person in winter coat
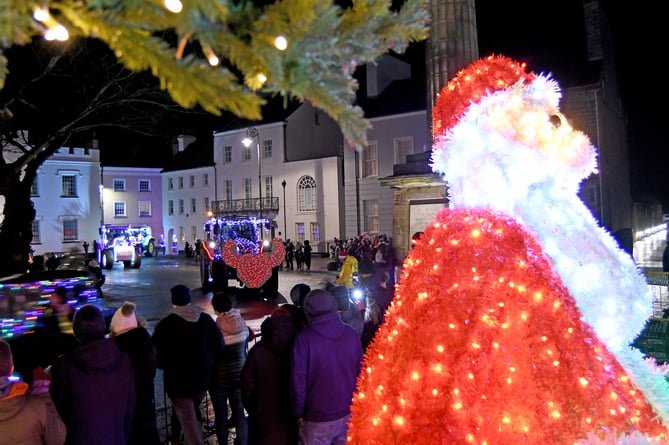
(307, 254)
(24, 418)
(188, 343)
(351, 312)
(265, 381)
(93, 386)
(135, 341)
(226, 387)
(325, 363)
(349, 269)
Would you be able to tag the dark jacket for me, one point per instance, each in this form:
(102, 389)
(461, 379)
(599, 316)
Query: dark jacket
(325, 362)
(94, 391)
(187, 346)
(26, 419)
(137, 344)
(265, 381)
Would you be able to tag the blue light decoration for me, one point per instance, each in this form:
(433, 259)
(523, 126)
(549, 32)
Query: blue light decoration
(23, 304)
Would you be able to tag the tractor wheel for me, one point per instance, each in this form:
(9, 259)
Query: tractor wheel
(107, 259)
(150, 249)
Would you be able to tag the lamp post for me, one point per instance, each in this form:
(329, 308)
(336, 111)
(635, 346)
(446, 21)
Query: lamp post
(252, 132)
(285, 227)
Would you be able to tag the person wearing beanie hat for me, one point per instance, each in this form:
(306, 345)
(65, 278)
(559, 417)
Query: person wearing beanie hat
(226, 386)
(298, 292)
(123, 319)
(25, 418)
(135, 340)
(188, 344)
(350, 312)
(325, 363)
(265, 381)
(93, 386)
(180, 295)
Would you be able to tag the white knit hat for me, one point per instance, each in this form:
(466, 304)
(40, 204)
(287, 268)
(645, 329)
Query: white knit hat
(124, 318)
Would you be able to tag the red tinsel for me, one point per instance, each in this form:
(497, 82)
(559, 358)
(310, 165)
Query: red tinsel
(483, 344)
(484, 76)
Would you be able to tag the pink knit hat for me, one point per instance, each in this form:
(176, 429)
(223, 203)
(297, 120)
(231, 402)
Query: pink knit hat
(124, 318)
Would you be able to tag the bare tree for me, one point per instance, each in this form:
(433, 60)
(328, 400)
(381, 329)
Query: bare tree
(56, 97)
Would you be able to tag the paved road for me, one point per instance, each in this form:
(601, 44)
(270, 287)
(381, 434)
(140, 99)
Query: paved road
(149, 286)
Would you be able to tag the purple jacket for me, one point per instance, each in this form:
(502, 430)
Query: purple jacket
(326, 361)
(93, 389)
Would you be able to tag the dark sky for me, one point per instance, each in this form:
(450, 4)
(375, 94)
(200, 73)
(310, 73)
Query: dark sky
(550, 37)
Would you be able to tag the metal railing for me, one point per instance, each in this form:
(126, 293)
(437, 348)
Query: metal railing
(250, 205)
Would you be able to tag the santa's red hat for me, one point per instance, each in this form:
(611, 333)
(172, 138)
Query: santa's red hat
(481, 78)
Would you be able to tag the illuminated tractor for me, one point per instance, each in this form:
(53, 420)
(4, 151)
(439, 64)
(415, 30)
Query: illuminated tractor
(235, 249)
(117, 244)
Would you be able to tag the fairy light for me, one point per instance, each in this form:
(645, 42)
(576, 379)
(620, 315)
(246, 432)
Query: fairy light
(54, 30)
(281, 43)
(528, 330)
(211, 57)
(174, 6)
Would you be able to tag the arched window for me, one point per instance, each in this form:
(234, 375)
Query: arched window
(306, 194)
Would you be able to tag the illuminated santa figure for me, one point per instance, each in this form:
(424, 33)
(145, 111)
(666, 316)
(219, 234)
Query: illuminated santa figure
(512, 319)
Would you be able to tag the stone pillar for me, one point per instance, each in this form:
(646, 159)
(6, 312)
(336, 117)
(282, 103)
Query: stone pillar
(452, 44)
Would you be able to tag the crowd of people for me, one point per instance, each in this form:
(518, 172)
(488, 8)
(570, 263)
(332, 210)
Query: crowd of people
(292, 385)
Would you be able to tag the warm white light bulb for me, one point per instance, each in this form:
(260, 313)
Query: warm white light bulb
(261, 78)
(41, 14)
(174, 6)
(281, 43)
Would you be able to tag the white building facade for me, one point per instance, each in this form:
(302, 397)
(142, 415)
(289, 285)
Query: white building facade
(369, 205)
(187, 196)
(66, 197)
(302, 198)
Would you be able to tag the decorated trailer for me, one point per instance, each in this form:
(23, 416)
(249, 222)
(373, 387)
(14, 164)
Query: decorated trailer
(240, 249)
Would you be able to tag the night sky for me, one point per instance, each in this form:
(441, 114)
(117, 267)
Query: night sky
(550, 37)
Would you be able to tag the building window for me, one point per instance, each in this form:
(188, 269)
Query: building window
(246, 154)
(193, 232)
(144, 185)
(181, 182)
(182, 233)
(118, 184)
(181, 207)
(370, 210)
(269, 187)
(228, 189)
(206, 204)
(119, 209)
(170, 207)
(248, 192)
(37, 238)
(315, 229)
(403, 147)
(34, 190)
(368, 160)
(70, 230)
(193, 206)
(267, 148)
(144, 208)
(299, 232)
(306, 194)
(68, 186)
(227, 154)
(170, 183)
(205, 180)
(191, 181)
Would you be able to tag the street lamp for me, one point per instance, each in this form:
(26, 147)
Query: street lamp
(252, 132)
(285, 227)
